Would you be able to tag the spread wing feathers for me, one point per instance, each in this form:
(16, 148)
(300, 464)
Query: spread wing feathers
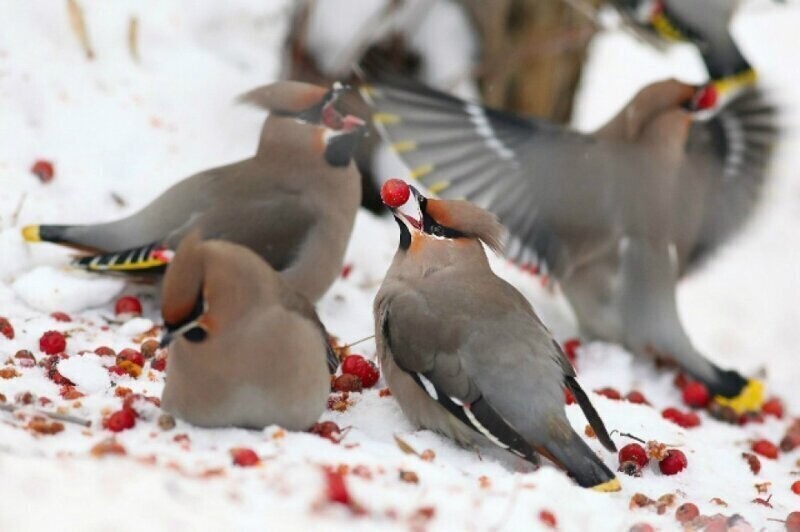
(462, 150)
(740, 138)
(448, 384)
(149, 259)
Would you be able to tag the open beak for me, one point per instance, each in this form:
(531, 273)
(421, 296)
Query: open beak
(410, 212)
(333, 119)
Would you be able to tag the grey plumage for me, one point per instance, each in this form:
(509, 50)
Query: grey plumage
(465, 354)
(616, 217)
(704, 23)
(293, 203)
(246, 350)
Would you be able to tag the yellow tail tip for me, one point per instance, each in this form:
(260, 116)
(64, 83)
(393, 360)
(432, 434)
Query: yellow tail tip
(749, 399)
(610, 486)
(31, 233)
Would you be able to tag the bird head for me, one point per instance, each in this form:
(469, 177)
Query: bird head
(183, 304)
(315, 106)
(424, 219)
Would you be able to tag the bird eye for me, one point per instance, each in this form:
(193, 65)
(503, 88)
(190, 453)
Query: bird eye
(437, 230)
(195, 334)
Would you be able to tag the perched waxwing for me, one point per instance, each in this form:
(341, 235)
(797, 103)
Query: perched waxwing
(245, 349)
(463, 351)
(293, 203)
(704, 23)
(616, 217)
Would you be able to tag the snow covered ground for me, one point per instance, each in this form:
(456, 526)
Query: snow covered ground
(117, 127)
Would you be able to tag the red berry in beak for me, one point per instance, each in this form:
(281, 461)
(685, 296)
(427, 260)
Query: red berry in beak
(395, 193)
(704, 98)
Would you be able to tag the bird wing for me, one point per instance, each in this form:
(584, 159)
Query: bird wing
(430, 355)
(739, 140)
(521, 169)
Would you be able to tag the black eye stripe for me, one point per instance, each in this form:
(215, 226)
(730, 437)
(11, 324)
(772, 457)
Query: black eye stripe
(195, 334)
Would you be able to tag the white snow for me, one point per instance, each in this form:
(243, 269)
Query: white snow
(113, 125)
(86, 372)
(49, 289)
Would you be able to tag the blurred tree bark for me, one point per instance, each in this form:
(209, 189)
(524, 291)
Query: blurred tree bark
(531, 56)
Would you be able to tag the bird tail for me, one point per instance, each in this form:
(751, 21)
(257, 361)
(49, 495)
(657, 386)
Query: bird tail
(149, 259)
(591, 414)
(57, 234)
(740, 137)
(574, 456)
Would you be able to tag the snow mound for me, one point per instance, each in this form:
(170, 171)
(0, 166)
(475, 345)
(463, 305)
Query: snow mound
(86, 372)
(49, 289)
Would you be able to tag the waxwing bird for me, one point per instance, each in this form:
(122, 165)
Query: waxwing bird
(617, 216)
(245, 349)
(706, 24)
(463, 351)
(293, 203)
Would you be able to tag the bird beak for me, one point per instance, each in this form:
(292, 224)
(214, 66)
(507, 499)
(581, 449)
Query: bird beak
(410, 213)
(171, 334)
(333, 119)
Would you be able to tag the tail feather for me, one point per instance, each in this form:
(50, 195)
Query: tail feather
(740, 137)
(56, 234)
(591, 414)
(581, 463)
(150, 259)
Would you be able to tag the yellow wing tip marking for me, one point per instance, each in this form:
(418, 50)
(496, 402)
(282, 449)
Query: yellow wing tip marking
(386, 118)
(749, 399)
(438, 187)
(731, 83)
(665, 28)
(610, 486)
(31, 233)
(404, 146)
(421, 171)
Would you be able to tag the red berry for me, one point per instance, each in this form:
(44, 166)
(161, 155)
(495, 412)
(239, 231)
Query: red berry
(686, 512)
(129, 306)
(346, 270)
(395, 193)
(104, 351)
(673, 463)
(689, 420)
(131, 355)
(336, 487)
(328, 430)
(6, 329)
(159, 364)
(765, 448)
(347, 383)
(43, 170)
(793, 522)
(704, 98)
(569, 399)
(547, 518)
(672, 414)
(696, 394)
(637, 398)
(571, 349)
(633, 452)
(796, 487)
(611, 393)
(361, 368)
(244, 457)
(773, 407)
(61, 316)
(117, 370)
(121, 420)
(52, 342)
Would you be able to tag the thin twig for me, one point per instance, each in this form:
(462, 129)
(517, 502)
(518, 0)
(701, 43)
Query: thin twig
(626, 435)
(78, 23)
(348, 346)
(133, 39)
(15, 216)
(52, 415)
